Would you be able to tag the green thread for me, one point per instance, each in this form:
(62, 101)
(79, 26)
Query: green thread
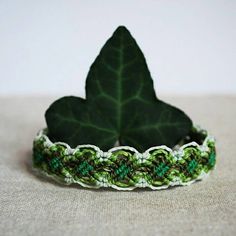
(38, 158)
(122, 171)
(55, 163)
(84, 168)
(192, 166)
(212, 159)
(161, 169)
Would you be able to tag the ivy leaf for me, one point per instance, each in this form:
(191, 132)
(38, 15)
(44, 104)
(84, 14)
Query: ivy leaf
(74, 121)
(121, 104)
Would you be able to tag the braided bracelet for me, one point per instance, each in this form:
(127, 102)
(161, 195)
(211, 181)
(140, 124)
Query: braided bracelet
(124, 168)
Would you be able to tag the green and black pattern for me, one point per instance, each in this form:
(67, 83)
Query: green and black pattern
(124, 167)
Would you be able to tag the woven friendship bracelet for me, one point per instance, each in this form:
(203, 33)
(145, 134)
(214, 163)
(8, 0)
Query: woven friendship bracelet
(124, 168)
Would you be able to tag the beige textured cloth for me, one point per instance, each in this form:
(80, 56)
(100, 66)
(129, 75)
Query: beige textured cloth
(30, 205)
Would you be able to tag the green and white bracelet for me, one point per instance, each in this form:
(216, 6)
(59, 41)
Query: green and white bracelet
(124, 168)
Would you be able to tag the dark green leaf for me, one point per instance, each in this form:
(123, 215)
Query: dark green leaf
(71, 120)
(120, 104)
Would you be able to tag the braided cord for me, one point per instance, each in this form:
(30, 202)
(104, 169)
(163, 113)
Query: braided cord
(124, 168)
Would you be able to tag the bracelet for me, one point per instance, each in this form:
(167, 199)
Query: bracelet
(123, 167)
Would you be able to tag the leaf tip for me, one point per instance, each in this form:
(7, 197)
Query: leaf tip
(121, 29)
